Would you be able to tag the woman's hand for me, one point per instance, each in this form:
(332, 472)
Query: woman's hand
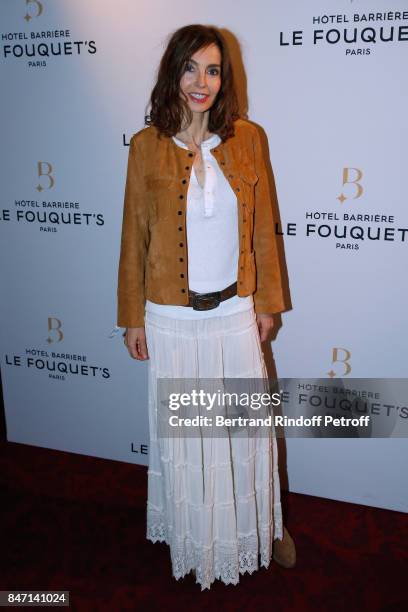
(265, 324)
(135, 340)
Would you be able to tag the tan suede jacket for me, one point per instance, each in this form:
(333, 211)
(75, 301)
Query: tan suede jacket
(153, 261)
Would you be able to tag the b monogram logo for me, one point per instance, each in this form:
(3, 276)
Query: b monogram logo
(54, 325)
(347, 180)
(46, 171)
(336, 358)
(35, 12)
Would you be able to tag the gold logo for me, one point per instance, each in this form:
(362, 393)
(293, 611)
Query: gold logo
(348, 180)
(36, 11)
(54, 327)
(340, 355)
(45, 169)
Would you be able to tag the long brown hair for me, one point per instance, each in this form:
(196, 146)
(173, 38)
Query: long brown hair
(167, 107)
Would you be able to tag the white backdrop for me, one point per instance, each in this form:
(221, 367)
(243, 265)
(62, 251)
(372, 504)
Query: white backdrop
(76, 78)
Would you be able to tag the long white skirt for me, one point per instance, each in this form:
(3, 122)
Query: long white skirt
(218, 509)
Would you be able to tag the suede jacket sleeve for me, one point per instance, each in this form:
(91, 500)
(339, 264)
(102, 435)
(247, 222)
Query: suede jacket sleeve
(134, 244)
(268, 297)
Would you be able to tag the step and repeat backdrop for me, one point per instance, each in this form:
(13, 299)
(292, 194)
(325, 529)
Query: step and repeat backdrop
(328, 86)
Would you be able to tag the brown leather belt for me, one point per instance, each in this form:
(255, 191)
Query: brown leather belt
(207, 301)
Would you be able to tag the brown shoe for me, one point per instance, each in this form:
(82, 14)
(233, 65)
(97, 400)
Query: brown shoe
(284, 551)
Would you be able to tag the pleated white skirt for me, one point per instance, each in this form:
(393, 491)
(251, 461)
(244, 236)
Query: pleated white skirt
(214, 501)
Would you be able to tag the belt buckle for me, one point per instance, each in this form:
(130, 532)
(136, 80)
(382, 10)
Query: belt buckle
(206, 301)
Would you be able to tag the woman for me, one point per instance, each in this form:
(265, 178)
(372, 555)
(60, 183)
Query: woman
(198, 284)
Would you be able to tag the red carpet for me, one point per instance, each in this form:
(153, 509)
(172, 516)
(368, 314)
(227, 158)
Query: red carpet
(77, 523)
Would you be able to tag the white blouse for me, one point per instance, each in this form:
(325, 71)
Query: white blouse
(212, 240)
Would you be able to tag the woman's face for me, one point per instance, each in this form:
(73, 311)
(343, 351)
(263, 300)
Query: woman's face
(201, 80)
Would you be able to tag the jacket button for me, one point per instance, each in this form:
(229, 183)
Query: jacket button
(222, 163)
(183, 291)
(190, 154)
(242, 267)
(181, 244)
(180, 229)
(238, 189)
(240, 282)
(242, 251)
(231, 175)
(181, 275)
(243, 235)
(181, 259)
(180, 212)
(181, 196)
(184, 181)
(187, 168)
